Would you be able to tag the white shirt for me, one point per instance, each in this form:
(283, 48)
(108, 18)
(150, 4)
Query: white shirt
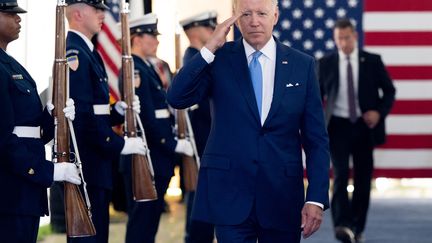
(341, 108)
(86, 40)
(268, 65)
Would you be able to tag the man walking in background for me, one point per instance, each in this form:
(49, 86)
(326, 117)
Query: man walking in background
(351, 82)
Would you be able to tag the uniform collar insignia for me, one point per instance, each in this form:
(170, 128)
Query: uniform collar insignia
(17, 76)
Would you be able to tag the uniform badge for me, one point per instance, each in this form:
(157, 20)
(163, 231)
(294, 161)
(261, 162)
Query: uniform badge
(137, 79)
(73, 62)
(17, 76)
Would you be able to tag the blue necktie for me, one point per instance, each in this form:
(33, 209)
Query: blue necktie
(256, 76)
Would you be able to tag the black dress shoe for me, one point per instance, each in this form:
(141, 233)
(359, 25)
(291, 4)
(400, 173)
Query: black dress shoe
(344, 234)
(359, 238)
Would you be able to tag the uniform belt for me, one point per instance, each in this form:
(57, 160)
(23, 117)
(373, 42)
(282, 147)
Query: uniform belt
(162, 113)
(102, 109)
(27, 132)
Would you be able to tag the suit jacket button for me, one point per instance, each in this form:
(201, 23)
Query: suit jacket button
(28, 91)
(163, 141)
(108, 139)
(31, 171)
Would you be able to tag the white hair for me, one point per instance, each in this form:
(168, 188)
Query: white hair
(235, 2)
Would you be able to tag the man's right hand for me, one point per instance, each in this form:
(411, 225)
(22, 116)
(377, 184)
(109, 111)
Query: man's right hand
(218, 37)
(67, 172)
(133, 145)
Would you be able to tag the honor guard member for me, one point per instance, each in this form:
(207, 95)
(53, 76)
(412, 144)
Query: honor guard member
(25, 175)
(97, 142)
(144, 217)
(198, 29)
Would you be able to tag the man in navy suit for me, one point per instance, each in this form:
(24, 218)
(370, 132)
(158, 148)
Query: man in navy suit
(198, 29)
(351, 82)
(144, 217)
(25, 128)
(97, 142)
(250, 183)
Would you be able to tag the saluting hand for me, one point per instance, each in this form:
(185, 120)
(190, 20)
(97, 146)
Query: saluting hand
(218, 37)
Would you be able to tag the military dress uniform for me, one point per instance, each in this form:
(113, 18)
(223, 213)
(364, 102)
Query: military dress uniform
(144, 217)
(25, 175)
(97, 142)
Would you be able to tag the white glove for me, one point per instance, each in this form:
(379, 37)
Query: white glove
(184, 147)
(121, 106)
(67, 172)
(136, 105)
(134, 146)
(69, 110)
(50, 107)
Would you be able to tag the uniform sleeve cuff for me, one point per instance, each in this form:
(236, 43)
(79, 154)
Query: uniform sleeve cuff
(207, 55)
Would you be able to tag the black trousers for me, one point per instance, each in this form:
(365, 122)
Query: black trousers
(351, 139)
(18, 228)
(144, 217)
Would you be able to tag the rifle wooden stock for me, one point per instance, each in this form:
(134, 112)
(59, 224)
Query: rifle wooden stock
(190, 168)
(142, 180)
(78, 221)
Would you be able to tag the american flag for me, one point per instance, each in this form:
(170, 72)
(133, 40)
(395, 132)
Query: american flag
(109, 48)
(401, 32)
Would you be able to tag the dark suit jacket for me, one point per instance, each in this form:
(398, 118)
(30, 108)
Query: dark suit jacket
(373, 78)
(24, 172)
(248, 165)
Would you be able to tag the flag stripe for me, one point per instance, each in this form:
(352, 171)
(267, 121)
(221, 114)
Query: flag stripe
(413, 90)
(398, 5)
(398, 38)
(401, 55)
(408, 142)
(111, 37)
(403, 159)
(392, 21)
(408, 107)
(402, 173)
(420, 72)
(409, 124)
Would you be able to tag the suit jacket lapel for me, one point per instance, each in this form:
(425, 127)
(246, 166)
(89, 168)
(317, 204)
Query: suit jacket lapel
(283, 70)
(242, 76)
(361, 82)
